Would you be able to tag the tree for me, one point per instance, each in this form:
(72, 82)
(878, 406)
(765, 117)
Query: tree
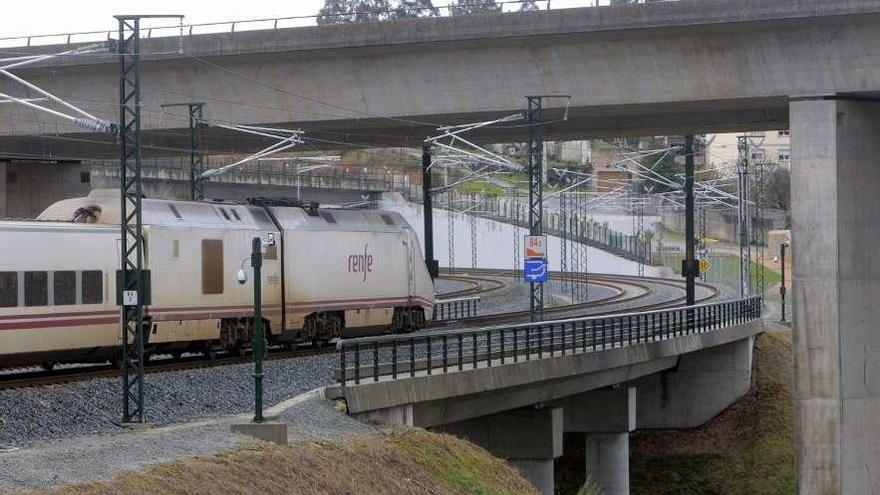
(408, 9)
(777, 188)
(664, 166)
(530, 6)
(348, 11)
(468, 7)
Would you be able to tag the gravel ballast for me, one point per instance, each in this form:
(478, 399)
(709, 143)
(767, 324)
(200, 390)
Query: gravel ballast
(95, 406)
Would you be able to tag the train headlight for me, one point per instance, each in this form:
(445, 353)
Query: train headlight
(242, 277)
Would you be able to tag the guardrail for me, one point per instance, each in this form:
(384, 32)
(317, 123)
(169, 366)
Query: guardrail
(453, 309)
(401, 356)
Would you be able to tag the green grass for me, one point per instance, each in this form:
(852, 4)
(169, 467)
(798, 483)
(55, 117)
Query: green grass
(413, 462)
(462, 470)
(481, 187)
(725, 270)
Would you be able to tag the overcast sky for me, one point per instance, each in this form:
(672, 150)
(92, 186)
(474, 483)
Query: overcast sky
(65, 16)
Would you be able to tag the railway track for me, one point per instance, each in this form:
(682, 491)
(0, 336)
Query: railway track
(44, 378)
(479, 285)
(606, 280)
(485, 281)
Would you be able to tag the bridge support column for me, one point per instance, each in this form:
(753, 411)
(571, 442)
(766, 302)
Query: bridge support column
(836, 288)
(605, 417)
(528, 438)
(702, 385)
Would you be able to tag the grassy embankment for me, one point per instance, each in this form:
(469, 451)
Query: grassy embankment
(748, 449)
(745, 450)
(415, 462)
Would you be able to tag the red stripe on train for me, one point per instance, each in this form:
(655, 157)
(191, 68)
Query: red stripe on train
(26, 325)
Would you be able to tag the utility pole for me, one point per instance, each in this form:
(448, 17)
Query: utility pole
(536, 206)
(782, 248)
(196, 154)
(704, 246)
(473, 225)
(758, 229)
(689, 267)
(428, 210)
(133, 282)
(745, 255)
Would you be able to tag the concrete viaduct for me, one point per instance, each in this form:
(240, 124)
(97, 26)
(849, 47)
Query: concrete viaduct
(668, 67)
(662, 68)
(514, 390)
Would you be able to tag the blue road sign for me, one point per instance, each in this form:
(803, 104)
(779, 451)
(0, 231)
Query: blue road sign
(535, 270)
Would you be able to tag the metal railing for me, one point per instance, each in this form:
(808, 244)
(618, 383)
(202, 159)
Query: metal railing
(402, 356)
(262, 174)
(454, 309)
(581, 228)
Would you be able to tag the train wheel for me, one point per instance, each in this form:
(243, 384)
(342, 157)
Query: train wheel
(48, 365)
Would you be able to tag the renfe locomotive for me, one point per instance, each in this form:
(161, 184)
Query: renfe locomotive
(326, 273)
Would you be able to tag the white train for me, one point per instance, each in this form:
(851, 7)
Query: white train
(330, 273)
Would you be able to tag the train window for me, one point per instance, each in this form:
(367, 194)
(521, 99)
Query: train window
(387, 218)
(175, 248)
(175, 211)
(36, 288)
(225, 215)
(92, 287)
(8, 289)
(235, 214)
(326, 215)
(212, 266)
(64, 288)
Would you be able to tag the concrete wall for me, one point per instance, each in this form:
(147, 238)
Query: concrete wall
(835, 206)
(702, 385)
(369, 72)
(32, 186)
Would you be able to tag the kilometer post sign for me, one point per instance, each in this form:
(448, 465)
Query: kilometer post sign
(536, 246)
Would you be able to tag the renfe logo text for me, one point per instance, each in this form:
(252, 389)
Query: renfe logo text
(361, 263)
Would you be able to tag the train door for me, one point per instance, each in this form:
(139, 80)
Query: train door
(410, 268)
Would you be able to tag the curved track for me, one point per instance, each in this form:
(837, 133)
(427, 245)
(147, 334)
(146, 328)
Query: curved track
(632, 293)
(628, 293)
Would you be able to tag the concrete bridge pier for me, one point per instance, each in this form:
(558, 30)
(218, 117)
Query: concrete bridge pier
(835, 209)
(605, 417)
(530, 439)
(702, 385)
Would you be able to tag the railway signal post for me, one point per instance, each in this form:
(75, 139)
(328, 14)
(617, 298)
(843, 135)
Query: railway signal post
(259, 339)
